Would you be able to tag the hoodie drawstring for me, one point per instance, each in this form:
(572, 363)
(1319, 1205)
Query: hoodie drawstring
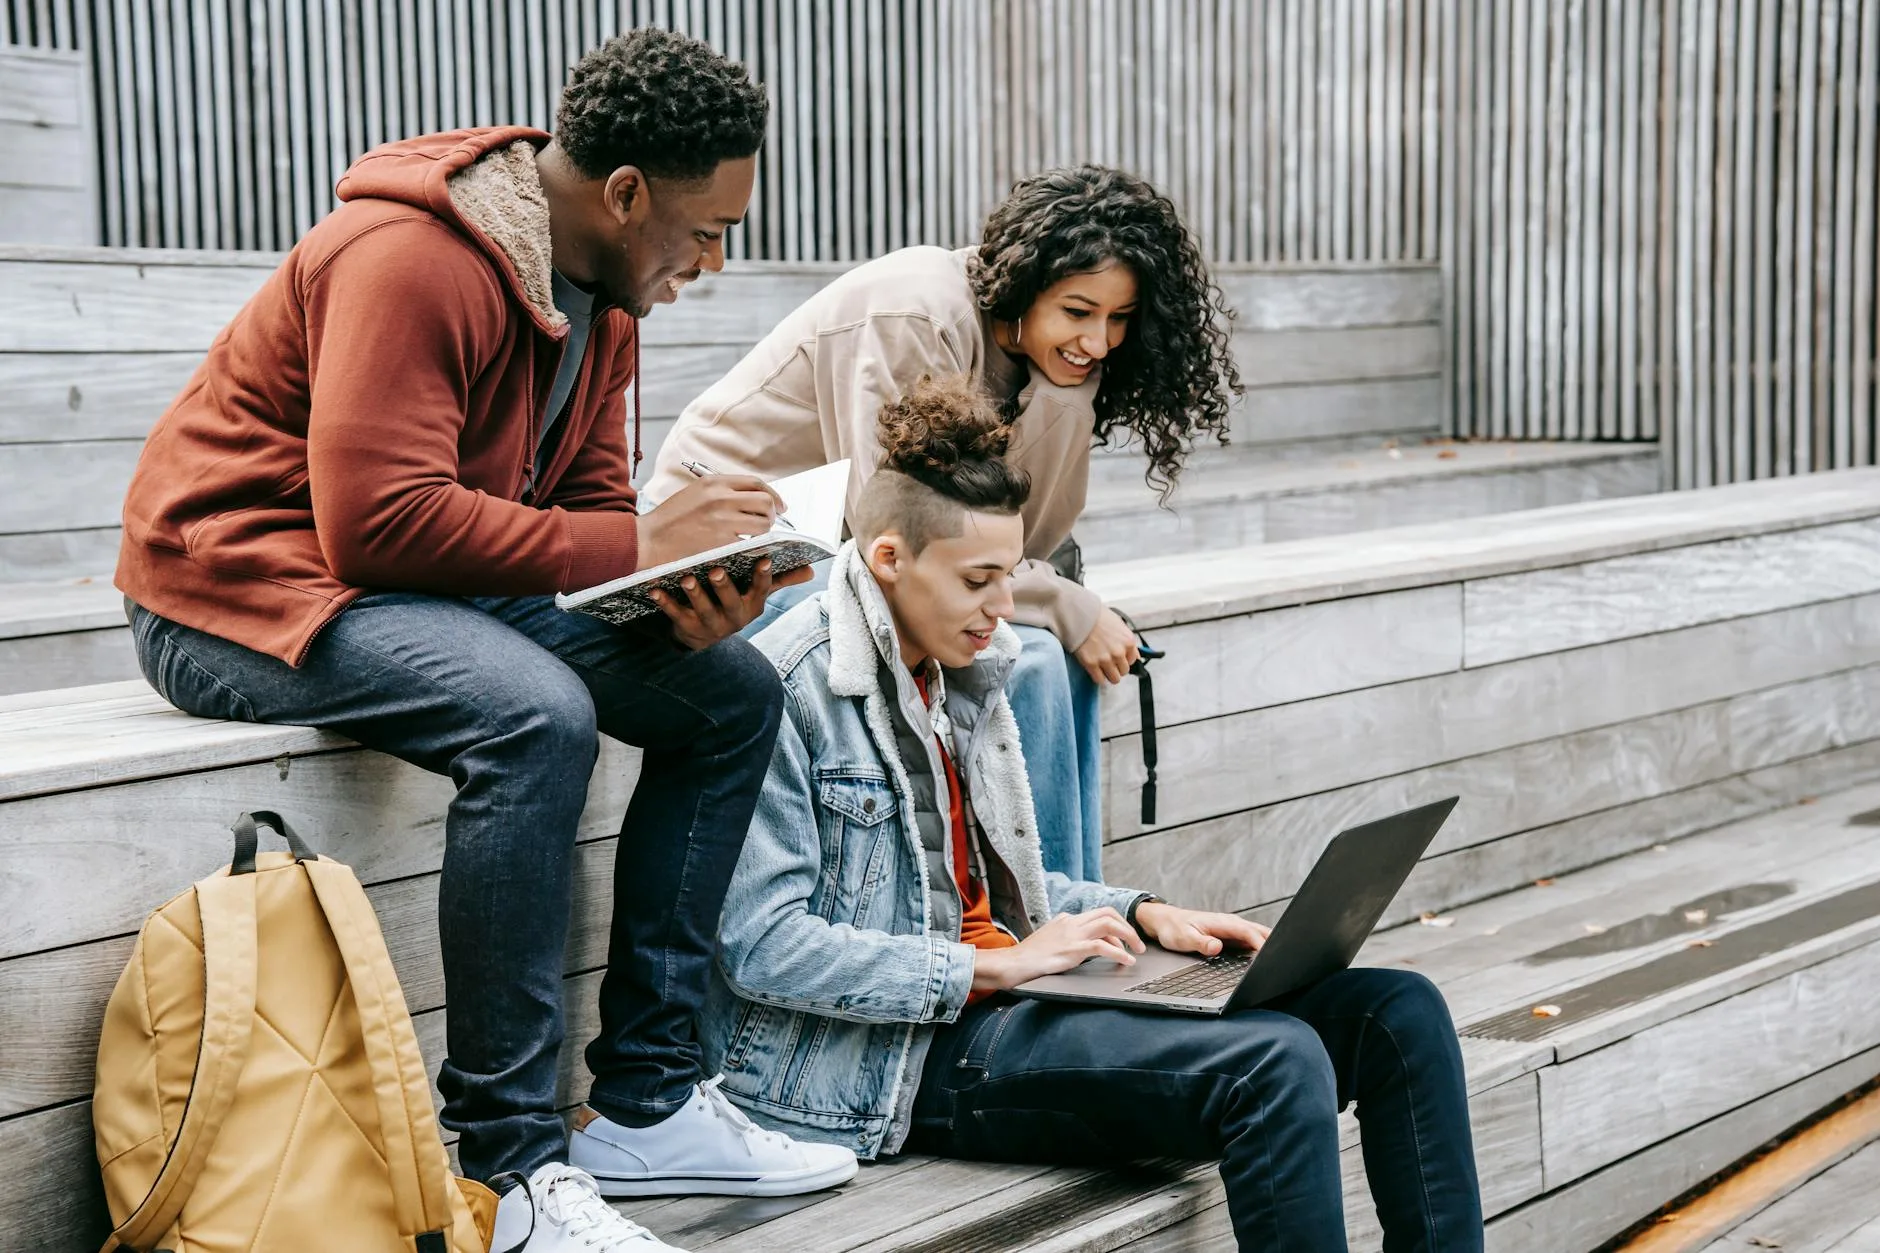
(638, 455)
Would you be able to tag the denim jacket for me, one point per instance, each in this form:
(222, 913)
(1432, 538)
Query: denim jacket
(832, 970)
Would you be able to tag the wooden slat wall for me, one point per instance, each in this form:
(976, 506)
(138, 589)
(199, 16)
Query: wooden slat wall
(1660, 222)
(1657, 220)
(897, 121)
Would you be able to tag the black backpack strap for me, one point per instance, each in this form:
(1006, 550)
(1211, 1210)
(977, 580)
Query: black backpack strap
(248, 840)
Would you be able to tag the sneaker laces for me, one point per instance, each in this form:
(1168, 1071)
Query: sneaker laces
(720, 1104)
(572, 1200)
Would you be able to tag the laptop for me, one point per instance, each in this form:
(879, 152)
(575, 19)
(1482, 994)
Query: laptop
(1323, 928)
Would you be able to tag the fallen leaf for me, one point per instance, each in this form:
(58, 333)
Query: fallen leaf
(1491, 930)
(1593, 928)
(1806, 800)
(1429, 919)
(1699, 943)
(1447, 454)
(1543, 883)
(1547, 1011)
(1661, 848)
(1396, 454)
(1697, 915)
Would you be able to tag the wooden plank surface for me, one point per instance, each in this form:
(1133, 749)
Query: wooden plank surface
(40, 556)
(88, 396)
(61, 487)
(41, 87)
(1601, 1107)
(1284, 655)
(1334, 741)
(68, 659)
(1573, 606)
(1835, 1212)
(1219, 584)
(124, 850)
(1268, 358)
(1258, 856)
(1296, 298)
(1382, 407)
(1590, 1210)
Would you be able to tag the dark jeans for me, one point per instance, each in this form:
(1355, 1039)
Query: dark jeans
(1260, 1090)
(508, 696)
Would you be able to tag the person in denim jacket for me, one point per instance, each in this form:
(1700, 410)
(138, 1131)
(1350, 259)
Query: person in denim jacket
(891, 891)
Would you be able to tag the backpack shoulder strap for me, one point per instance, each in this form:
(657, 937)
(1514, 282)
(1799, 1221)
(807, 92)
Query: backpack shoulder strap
(414, 1152)
(227, 906)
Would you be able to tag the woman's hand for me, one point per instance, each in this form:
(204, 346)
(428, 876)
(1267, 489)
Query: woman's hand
(1110, 649)
(1062, 944)
(1192, 931)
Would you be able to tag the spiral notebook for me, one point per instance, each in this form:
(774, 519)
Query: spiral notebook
(814, 502)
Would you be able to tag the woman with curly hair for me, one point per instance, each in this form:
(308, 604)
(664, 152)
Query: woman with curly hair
(1086, 312)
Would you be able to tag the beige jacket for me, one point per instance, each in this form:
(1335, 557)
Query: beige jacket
(809, 392)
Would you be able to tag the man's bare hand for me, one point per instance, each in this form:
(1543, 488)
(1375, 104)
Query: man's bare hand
(713, 608)
(705, 515)
(1110, 649)
(1193, 931)
(1062, 944)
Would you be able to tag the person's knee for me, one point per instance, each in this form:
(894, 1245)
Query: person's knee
(549, 717)
(1290, 1064)
(750, 691)
(1407, 1001)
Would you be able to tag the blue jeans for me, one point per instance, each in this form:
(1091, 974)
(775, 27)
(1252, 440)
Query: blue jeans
(1260, 1090)
(1056, 704)
(508, 697)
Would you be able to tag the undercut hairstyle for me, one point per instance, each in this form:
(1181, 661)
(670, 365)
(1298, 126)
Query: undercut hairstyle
(1173, 377)
(943, 456)
(661, 101)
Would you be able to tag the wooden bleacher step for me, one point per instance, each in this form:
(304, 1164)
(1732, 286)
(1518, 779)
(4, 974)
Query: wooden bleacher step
(1234, 496)
(1761, 934)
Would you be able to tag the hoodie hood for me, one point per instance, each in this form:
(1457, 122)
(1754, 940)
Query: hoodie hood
(484, 183)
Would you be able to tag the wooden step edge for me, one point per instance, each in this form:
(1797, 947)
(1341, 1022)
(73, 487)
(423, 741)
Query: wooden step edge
(1764, 1180)
(1090, 1211)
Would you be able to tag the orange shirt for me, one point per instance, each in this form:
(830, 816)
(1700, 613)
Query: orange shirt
(976, 925)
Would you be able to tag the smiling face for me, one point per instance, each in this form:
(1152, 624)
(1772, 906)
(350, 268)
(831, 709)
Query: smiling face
(949, 598)
(660, 234)
(1075, 323)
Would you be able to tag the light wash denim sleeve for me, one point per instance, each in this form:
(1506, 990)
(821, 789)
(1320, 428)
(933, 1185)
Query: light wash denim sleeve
(775, 950)
(1073, 896)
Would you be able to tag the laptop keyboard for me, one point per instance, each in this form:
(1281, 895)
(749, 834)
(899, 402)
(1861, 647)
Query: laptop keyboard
(1216, 977)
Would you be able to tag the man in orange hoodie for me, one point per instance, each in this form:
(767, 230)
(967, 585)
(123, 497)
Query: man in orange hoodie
(355, 515)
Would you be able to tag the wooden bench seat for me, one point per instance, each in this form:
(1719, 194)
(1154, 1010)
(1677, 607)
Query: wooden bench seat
(1593, 680)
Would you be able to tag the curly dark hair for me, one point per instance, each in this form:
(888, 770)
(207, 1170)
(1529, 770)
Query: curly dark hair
(943, 445)
(1173, 376)
(658, 100)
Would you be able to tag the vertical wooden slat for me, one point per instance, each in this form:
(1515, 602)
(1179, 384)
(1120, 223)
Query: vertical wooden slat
(1661, 28)
(1865, 320)
(1501, 214)
(1557, 224)
(1820, 280)
(1840, 421)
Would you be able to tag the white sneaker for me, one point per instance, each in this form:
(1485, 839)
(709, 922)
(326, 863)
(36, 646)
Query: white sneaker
(561, 1211)
(708, 1146)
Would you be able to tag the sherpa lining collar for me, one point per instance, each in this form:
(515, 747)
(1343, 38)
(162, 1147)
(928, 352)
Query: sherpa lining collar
(501, 195)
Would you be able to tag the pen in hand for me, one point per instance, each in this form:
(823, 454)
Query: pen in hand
(700, 470)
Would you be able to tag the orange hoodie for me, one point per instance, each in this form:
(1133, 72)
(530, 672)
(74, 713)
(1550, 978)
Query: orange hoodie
(368, 419)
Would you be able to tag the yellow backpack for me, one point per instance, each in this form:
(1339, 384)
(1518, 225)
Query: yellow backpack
(259, 1082)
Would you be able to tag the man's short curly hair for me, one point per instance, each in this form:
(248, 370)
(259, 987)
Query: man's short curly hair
(1173, 378)
(661, 101)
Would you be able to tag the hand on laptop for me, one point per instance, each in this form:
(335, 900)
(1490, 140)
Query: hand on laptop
(1064, 943)
(1192, 931)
